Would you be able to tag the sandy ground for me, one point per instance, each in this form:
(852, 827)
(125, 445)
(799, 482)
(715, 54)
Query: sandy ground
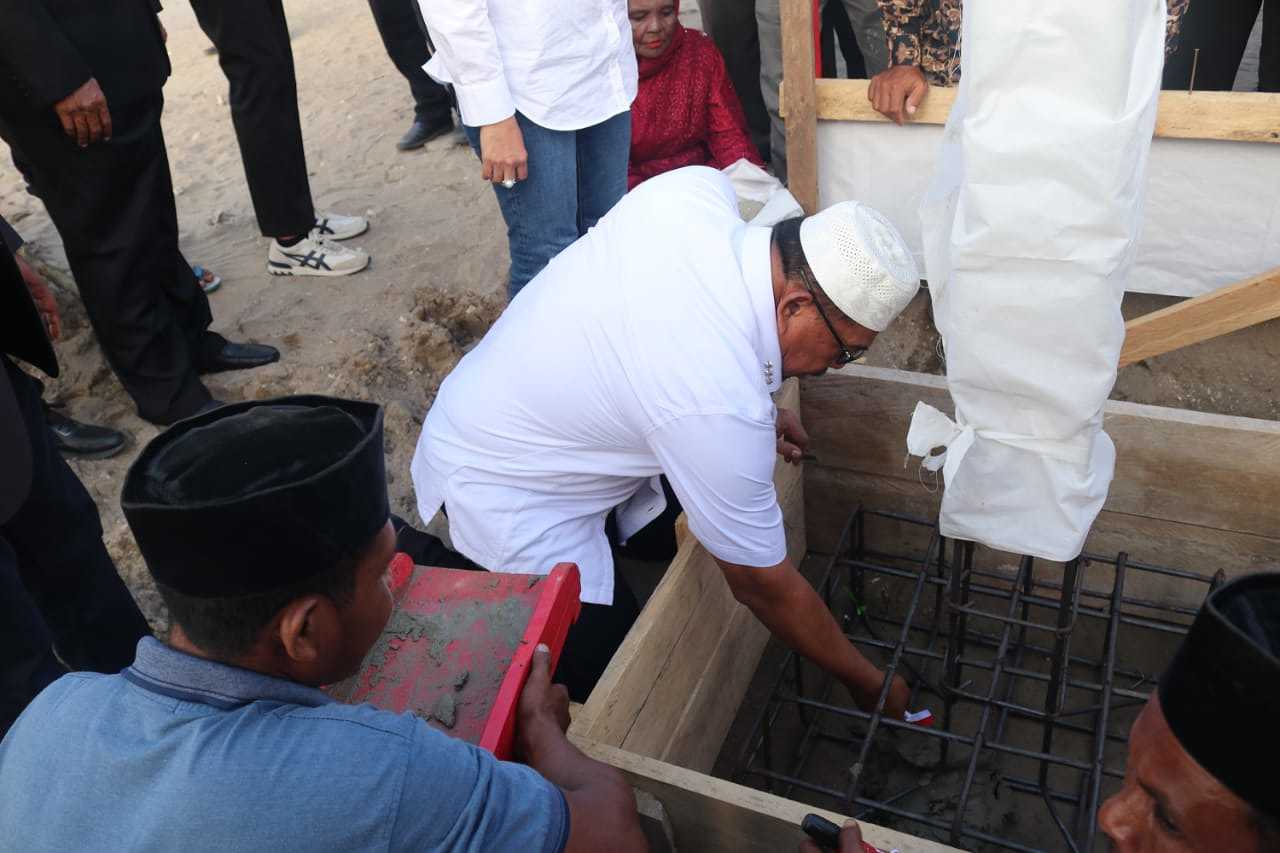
(388, 334)
(439, 264)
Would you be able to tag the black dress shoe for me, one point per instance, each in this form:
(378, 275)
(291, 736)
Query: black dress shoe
(233, 356)
(423, 131)
(86, 441)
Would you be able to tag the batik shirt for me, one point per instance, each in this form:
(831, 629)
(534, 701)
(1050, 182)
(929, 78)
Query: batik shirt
(926, 33)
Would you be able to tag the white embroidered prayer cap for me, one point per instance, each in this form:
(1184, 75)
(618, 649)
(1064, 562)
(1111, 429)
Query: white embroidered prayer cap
(861, 262)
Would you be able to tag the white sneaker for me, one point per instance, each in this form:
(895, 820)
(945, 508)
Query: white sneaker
(334, 226)
(315, 256)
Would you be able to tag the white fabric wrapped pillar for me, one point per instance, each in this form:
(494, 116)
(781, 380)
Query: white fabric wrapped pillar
(1029, 229)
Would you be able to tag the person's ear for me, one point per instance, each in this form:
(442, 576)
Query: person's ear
(305, 627)
(792, 303)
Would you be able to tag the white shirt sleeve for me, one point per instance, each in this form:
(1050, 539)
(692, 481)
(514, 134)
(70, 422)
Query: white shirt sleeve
(464, 36)
(721, 468)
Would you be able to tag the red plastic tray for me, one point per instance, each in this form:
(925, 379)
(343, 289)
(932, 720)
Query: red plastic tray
(459, 644)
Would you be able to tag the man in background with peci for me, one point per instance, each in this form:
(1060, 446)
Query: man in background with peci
(220, 739)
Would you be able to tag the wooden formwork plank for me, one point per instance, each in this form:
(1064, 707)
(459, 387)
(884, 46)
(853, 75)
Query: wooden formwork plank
(1227, 116)
(801, 120)
(648, 699)
(716, 692)
(667, 704)
(831, 495)
(713, 815)
(1214, 471)
(610, 711)
(1221, 312)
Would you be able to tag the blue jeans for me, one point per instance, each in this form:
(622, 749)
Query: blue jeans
(575, 177)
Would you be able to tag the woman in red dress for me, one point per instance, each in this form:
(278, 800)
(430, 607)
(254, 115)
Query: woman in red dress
(686, 112)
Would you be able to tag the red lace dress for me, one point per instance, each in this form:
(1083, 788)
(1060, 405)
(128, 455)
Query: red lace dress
(686, 112)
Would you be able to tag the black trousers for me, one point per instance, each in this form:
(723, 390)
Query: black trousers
(59, 589)
(112, 204)
(403, 37)
(595, 637)
(1220, 29)
(732, 26)
(252, 38)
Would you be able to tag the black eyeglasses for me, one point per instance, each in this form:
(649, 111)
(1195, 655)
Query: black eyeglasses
(847, 354)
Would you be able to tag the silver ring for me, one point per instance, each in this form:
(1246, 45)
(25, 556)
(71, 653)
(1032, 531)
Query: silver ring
(509, 183)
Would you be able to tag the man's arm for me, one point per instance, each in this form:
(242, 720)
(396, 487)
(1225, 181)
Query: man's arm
(792, 610)
(721, 468)
(602, 809)
(463, 35)
(897, 92)
(455, 795)
(903, 25)
(36, 49)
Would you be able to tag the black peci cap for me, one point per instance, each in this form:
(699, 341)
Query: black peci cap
(1221, 694)
(257, 496)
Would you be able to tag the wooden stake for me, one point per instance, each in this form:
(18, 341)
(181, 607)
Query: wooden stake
(801, 115)
(1229, 309)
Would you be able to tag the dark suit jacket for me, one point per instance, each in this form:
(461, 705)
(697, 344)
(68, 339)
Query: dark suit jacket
(22, 335)
(49, 48)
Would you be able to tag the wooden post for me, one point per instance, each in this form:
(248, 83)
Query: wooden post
(801, 107)
(1228, 309)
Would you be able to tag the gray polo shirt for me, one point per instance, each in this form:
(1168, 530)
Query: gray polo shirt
(179, 753)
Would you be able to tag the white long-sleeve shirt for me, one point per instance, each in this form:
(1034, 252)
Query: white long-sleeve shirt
(649, 346)
(564, 64)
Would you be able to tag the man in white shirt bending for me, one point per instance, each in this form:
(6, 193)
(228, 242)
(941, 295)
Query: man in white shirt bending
(545, 90)
(651, 347)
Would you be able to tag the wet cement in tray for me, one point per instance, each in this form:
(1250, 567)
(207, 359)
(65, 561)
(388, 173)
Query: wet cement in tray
(452, 688)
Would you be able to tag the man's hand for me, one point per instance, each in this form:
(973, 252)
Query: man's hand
(791, 609)
(793, 441)
(84, 114)
(542, 706)
(164, 34)
(502, 154)
(850, 840)
(602, 809)
(897, 92)
(46, 305)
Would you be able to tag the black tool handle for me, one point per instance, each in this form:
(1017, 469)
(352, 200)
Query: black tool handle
(823, 832)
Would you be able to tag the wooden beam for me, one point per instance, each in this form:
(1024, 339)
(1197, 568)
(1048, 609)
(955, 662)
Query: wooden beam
(831, 494)
(1180, 496)
(802, 122)
(717, 816)
(1229, 309)
(1229, 116)
(674, 686)
(1213, 471)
